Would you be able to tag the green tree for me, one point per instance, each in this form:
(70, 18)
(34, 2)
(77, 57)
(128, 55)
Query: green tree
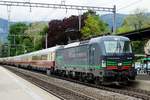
(4, 50)
(15, 37)
(37, 32)
(28, 46)
(135, 21)
(94, 26)
(138, 46)
(16, 30)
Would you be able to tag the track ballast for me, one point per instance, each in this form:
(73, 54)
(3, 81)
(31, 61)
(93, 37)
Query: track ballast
(137, 93)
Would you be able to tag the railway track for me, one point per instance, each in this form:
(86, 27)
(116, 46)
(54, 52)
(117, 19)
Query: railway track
(62, 93)
(126, 90)
(137, 93)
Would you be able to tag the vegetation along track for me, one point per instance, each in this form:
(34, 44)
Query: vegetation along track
(137, 93)
(62, 93)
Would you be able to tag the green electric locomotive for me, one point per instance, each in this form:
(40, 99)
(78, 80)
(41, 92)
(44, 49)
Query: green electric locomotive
(106, 59)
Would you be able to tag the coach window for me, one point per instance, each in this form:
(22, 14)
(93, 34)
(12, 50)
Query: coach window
(34, 57)
(44, 57)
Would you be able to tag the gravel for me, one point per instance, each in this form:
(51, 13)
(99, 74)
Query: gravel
(93, 92)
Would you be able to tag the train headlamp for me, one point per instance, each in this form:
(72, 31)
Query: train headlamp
(119, 64)
(132, 64)
(103, 63)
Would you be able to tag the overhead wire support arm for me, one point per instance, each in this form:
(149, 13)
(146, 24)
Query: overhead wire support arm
(63, 6)
(58, 6)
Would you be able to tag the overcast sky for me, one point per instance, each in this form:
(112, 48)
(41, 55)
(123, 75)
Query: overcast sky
(40, 14)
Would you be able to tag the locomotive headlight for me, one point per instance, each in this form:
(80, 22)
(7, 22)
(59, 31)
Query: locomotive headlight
(119, 64)
(133, 65)
(103, 63)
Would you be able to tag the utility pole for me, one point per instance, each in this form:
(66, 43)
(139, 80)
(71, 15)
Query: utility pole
(46, 40)
(15, 45)
(63, 2)
(9, 12)
(34, 41)
(79, 17)
(9, 50)
(114, 19)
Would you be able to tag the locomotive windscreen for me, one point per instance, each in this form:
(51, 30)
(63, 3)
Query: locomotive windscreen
(115, 46)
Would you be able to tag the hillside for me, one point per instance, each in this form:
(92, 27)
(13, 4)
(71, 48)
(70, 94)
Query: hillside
(3, 26)
(108, 18)
(3, 30)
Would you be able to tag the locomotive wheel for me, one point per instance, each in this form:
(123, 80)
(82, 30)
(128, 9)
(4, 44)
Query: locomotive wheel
(97, 81)
(149, 73)
(81, 79)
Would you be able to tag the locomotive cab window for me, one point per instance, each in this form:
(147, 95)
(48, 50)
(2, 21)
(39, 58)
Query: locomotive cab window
(117, 46)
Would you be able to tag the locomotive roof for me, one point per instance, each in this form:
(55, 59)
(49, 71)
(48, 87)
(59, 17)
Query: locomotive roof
(72, 44)
(97, 39)
(109, 38)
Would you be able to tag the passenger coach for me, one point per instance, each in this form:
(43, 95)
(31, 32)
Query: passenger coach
(105, 59)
